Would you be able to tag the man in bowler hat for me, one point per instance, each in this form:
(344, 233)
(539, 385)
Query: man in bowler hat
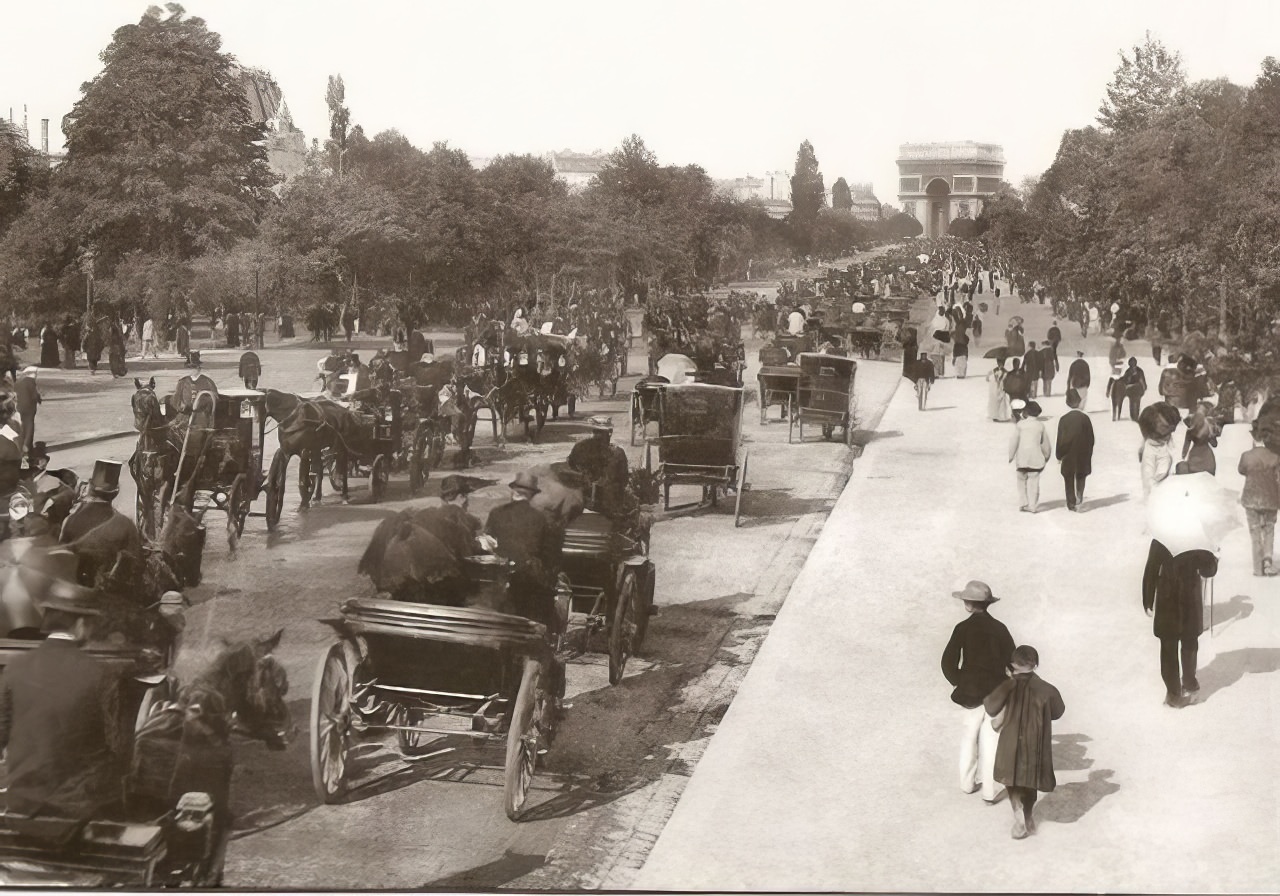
(527, 538)
(1075, 450)
(974, 663)
(604, 467)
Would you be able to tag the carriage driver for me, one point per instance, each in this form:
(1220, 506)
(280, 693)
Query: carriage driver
(62, 740)
(605, 468)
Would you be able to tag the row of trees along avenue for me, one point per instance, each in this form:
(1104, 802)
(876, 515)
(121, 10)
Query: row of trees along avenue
(165, 203)
(1169, 205)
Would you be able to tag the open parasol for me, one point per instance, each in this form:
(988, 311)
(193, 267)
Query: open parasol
(1192, 512)
(859, 308)
(1016, 320)
(31, 574)
(999, 353)
(676, 368)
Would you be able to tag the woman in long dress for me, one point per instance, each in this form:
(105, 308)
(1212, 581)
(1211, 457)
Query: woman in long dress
(997, 399)
(49, 356)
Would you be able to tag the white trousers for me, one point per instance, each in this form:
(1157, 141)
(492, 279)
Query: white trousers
(978, 753)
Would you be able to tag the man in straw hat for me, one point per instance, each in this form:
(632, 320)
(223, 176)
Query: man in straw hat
(63, 743)
(603, 466)
(974, 662)
(527, 538)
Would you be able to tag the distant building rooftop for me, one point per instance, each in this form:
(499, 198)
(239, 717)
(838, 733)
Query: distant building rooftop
(581, 163)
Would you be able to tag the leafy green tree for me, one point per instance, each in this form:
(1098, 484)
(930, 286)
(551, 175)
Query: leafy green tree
(339, 121)
(807, 196)
(24, 173)
(841, 195)
(1144, 84)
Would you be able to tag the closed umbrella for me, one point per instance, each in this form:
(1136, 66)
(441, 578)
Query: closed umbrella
(1191, 512)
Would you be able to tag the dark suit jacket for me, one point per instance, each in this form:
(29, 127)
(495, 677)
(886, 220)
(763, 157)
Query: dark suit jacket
(1048, 361)
(1078, 374)
(57, 723)
(527, 537)
(975, 658)
(1075, 443)
(27, 396)
(84, 518)
(1032, 364)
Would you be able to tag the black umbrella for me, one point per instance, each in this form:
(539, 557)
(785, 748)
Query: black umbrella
(1159, 420)
(999, 353)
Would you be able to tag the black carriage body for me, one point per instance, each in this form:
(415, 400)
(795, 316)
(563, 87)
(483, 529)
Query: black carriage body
(700, 442)
(826, 395)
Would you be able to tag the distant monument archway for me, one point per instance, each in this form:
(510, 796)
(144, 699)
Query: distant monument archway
(939, 182)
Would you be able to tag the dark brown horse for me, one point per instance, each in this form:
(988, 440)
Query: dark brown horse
(305, 428)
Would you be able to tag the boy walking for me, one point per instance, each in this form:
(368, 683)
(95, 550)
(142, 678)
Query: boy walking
(1024, 755)
(974, 663)
(1260, 468)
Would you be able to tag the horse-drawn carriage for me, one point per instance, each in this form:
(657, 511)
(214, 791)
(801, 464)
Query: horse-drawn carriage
(457, 676)
(700, 443)
(611, 581)
(825, 395)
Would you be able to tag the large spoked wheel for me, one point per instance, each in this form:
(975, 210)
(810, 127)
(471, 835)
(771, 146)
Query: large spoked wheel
(331, 469)
(522, 741)
(644, 604)
(402, 716)
(276, 478)
(331, 730)
(379, 476)
(237, 507)
(309, 466)
(742, 488)
(622, 628)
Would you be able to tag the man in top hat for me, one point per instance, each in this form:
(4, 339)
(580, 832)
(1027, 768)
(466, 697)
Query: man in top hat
(974, 662)
(113, 532)
(527, 538)
(62, 740)
(604, 468)
(28, 399)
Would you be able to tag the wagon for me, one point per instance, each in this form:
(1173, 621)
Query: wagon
(372, 449)
(826, 396)
(458, 677)
(778, 385)
(644, 404)
(699, 443)
(228, 475)
(611, 580)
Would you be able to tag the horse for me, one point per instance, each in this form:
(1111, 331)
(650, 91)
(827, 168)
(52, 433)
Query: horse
(306, 428)
(185, 746)
(155, 460)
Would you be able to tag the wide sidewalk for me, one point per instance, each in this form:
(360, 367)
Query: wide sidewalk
(836, 766)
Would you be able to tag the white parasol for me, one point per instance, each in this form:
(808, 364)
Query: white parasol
(859, 308)
(676, 368)
(1191, 512)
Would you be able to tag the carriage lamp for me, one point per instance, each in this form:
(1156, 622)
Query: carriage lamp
(191, 833)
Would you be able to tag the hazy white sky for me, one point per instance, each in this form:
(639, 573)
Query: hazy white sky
(733, 87)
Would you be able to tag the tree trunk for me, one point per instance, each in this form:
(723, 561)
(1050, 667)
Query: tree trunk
(1222, 301)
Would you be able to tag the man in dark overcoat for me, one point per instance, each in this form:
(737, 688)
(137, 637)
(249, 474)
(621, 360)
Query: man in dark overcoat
(1173, 593)
(1075, 450)
(526, 537)
(28, 401)
(62, 739)
(1032, 365)
(1078, 378)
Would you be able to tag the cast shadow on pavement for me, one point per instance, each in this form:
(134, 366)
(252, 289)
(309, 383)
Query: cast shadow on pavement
(1069, 752)
(945, 407)
(771, 505)
(1228, 668)
(1239, 607)
(1099, 503)
(1070, 802)
(491, 875)
(867, 436)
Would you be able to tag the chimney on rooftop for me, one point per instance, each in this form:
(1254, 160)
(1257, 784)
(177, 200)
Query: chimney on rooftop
(44, 136)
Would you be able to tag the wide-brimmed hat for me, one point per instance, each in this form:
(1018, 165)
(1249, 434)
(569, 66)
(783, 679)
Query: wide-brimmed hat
(525, 482)
(976, 592)
(600, 423)
(1032, 409)
(453, 486)
(106, 478)
(1017, 404)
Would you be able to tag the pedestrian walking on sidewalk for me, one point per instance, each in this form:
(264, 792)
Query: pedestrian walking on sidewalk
(1074, 450)
(974, 662)
(28, 401)
(1053, 338)
(997, 400)
(1029, 451)
(1200, 440)
(923, 373)
(960, 354)
(1135, 386)
(1031, 363)
(1048, 367)
(1015, 382)
(1156, 457)
(149, 338)
(1260, 467)
(1024, 708)
(1115, 391)
(1078, 378)
(1173, 594)
(1116, 354)
(1157, 343)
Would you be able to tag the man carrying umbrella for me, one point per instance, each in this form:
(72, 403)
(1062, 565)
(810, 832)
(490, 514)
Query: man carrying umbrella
(1188, 516)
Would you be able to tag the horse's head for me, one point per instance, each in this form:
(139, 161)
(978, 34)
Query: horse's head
(279, 405)
(145, 404)
(264, 714)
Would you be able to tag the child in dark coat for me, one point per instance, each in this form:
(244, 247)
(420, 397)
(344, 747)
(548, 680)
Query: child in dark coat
(1024, 755)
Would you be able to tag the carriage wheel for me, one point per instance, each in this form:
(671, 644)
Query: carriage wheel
(330, 458)
(308, 479)
(644, 603)
(742, 488)
(623, 626)
(379, 475)
(635, 399)
(408, 741)
(276, 479)
(331, 732)
(237, 508)
(522, 741)
(419, 462)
